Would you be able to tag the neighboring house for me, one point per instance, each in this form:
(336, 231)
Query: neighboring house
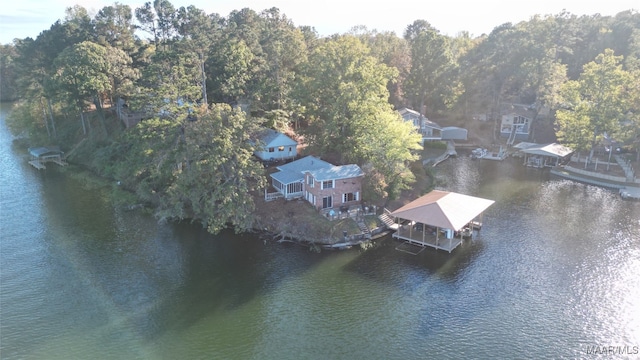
(322, 184)
(276, 146)
(516, 123)
(425, 127)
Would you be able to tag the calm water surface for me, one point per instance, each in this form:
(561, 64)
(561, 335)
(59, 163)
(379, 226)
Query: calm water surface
(555, 271)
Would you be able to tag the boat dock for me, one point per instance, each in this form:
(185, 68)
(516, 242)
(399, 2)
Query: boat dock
(439, 219)
(42, 155)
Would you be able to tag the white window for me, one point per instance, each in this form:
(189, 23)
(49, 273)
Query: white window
(327, 184)
(350, 197)
(310, 180)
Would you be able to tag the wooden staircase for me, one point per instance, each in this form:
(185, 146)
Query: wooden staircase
(386, 219)
(363, 227)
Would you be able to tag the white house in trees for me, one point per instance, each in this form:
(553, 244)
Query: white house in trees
(425, 127)
(275, 146)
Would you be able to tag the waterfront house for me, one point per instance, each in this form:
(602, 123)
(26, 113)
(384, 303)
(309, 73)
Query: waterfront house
(428, 129)
(275, 146)
(516, 123)
(322, 184)
(335, 186)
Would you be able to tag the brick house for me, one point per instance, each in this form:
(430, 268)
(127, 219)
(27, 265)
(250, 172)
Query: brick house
(337, 186)
(322, 184)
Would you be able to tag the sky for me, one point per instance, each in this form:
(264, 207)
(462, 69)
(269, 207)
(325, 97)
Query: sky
(27, 18)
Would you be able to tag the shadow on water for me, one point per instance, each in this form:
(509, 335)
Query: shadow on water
(407, 272)
(153, 277)
(225, 272)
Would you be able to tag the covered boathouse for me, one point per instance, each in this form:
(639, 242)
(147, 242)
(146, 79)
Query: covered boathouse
(440, 219)
(42, 155)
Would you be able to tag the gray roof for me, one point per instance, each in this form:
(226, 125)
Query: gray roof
(431, 124)
(408, 114)
(271, 138)
(288, 177)
(553, 149)
(307, 163)
(519, 109)
(319, 169)
(294, 171)
(337, 172)
(45, 150)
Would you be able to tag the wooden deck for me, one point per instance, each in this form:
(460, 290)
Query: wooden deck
(40, 163)
(37, 164)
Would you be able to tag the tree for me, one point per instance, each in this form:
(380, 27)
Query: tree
(114, 26)
(171, 82)
(431, 63)
(158, 19)
(392, 51)
(595, 104)
(218, 172)
(284, 50)
(198, 33)
(8, 73)
(231, 71)
(195, 168)
(81, 73)
(121, 74)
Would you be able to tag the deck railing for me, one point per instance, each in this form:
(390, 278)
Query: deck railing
(272, 196)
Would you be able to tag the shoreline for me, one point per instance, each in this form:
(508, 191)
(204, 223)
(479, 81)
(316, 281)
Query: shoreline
(631, 188)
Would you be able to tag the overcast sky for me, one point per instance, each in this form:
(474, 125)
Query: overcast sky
(27, 18)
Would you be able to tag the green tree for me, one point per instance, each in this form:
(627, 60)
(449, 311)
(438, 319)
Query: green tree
(8, 73)
(392, 51)
(284, 50)
(218, 172)
(595, 104)
(198, 32)
(114, 27)
(431, 64)
(82, 74)
(230, 71)
(158, 20)
(170, 83)
(201, 169)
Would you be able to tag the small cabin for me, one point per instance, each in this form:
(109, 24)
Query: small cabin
(275, 146)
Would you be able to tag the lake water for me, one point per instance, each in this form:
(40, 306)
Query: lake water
(555, 273)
